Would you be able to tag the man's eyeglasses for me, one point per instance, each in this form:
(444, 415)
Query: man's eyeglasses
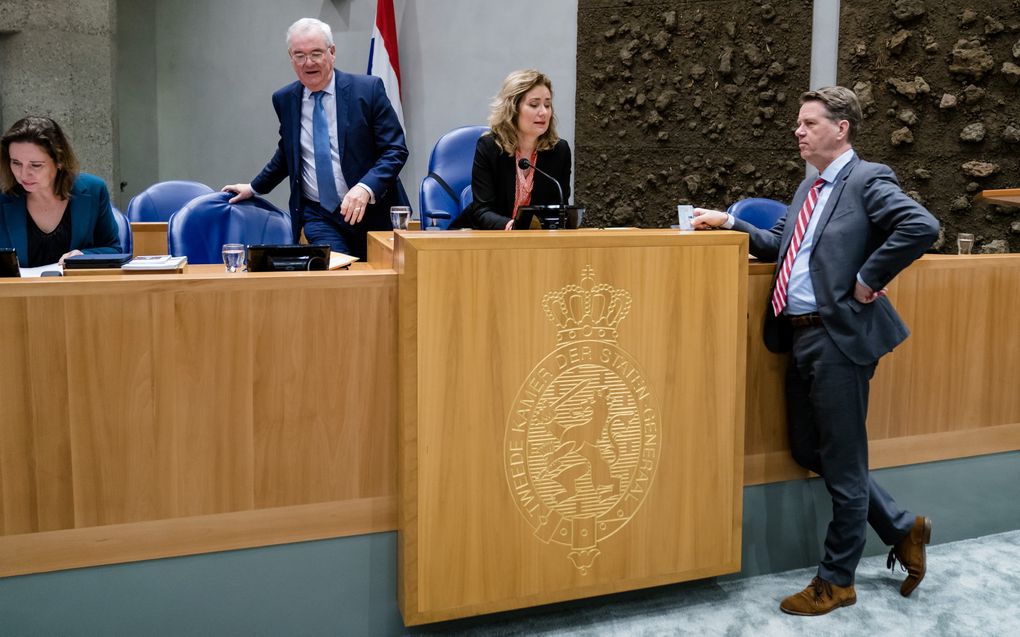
(314, 56)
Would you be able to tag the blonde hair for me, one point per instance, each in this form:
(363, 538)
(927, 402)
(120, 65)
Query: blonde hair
(505, 108)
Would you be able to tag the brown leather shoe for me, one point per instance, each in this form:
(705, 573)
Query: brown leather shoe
(818, 598)
(909, 552)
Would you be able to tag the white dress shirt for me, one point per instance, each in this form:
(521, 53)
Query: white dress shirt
(800, 290)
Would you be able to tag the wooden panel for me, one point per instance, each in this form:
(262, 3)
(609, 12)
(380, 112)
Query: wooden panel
(380, 250)
(92, 439)
(955, 375)
(117, 543)
(20, 504)
(138, 398)
(292, 360)
(1005, 196)
(652, 495)
(149, 237)
(110, 417)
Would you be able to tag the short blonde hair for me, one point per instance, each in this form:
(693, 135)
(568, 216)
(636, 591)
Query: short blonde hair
(505, 108)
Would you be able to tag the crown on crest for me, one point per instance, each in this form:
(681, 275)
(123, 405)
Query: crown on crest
(588, 310)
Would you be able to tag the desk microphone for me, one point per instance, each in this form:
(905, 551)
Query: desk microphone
(524, 164)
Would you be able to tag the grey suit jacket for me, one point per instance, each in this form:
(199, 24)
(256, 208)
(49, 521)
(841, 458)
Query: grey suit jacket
(869, 227)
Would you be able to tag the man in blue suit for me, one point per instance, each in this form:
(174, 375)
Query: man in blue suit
(341, 146)
(847, 234)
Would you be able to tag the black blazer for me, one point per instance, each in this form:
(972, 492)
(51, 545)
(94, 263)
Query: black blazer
(494, 183)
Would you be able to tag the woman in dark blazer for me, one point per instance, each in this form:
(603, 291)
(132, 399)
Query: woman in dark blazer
(523, 127)
(48, 211)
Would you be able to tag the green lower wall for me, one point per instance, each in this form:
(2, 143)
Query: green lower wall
(347, 586)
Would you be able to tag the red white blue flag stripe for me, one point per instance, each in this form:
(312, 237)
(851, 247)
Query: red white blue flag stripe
(383, 58)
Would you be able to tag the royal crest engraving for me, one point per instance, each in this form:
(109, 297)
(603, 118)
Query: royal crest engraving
(582, 437)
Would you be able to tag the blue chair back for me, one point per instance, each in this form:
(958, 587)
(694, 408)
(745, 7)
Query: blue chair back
(758, 211)
(127, 238)
(199, 229)
(451, 159)
(159, 201)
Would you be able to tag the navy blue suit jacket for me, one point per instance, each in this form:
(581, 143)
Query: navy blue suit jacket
(93, 228)
(371, 144)
(869, 227)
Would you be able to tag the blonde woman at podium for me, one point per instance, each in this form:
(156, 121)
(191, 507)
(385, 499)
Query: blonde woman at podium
(521, 161)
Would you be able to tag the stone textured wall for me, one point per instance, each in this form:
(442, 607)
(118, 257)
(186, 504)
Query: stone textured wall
(56, 58)
(686, 101)
(695, 101)
(938, 81)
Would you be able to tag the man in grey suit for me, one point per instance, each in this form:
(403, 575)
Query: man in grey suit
(848, 232)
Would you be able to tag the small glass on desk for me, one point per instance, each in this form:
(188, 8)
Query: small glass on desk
(399, 215)
(964, 243)
(233, 256)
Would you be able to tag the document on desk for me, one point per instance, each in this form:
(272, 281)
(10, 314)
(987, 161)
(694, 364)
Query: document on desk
(339, 260)
(39, 270)
(155, 263)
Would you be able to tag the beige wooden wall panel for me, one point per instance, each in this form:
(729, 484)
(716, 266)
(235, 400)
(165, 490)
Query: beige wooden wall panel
(139, 398)
(474, 335)
(109, 461)
(948, 391)
(149, 237)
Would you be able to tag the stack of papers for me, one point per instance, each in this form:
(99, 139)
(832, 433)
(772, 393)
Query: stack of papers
(155, 263)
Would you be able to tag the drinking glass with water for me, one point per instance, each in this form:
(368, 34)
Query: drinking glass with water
(233, 256)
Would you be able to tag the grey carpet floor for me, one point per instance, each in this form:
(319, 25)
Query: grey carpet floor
(972, 588)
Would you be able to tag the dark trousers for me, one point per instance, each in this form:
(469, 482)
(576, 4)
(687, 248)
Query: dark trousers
(324, 226)
(827, 408)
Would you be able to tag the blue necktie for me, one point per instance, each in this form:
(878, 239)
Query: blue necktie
(328, 197)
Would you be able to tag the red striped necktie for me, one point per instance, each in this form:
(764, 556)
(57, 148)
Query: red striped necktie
(803, 218)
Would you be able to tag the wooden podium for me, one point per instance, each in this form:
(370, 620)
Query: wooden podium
(571, 414)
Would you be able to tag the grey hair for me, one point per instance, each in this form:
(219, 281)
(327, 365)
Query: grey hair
(309, 24)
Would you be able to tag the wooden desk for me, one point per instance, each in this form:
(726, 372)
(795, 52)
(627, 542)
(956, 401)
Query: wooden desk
(949, 391)
(146, 416)
(556, 437)
(1005, 197)
(157, 415)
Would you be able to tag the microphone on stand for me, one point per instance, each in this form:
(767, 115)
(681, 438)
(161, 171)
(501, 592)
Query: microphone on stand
(524, 164)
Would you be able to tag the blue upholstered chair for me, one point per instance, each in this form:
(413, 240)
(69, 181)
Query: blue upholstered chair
(159, 201)
(442, 195)
(199, 229)
(127, 239)
(757, 211)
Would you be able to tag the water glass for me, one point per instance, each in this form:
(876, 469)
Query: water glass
(233, 256)
(964, 243)
(399, 216)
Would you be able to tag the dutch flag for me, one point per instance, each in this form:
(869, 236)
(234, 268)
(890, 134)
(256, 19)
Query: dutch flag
(383, 58)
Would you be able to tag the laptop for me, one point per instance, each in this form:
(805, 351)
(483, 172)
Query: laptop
(9, 263)
(92, 261)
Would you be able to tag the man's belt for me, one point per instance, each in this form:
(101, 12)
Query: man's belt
(799, 321)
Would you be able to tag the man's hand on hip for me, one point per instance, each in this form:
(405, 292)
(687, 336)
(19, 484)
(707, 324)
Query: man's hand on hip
(354, 204)
(865, 295)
